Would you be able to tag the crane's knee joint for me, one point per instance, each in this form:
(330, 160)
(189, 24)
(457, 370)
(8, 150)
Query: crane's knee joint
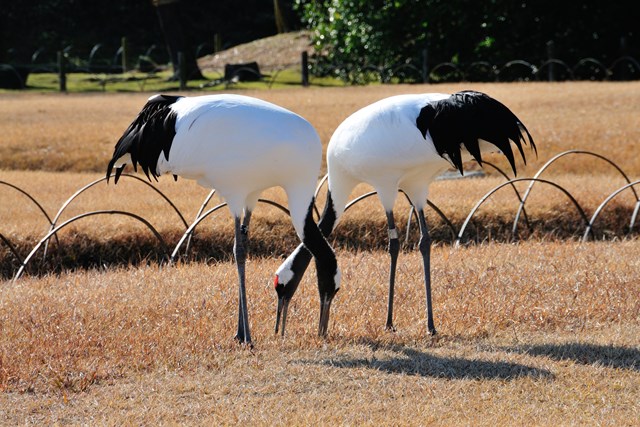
(394, 246)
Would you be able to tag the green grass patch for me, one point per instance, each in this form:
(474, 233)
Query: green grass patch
(160, 82)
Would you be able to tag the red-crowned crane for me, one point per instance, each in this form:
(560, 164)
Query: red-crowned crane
(403, 143)
(240, 146)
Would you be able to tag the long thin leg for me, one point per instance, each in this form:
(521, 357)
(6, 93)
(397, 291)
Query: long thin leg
(244, 233)
(394, 248)
(425, 250)
(240, 254)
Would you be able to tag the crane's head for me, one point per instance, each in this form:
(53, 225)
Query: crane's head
(288, 278)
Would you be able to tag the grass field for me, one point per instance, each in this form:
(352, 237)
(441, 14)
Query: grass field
(542, 332)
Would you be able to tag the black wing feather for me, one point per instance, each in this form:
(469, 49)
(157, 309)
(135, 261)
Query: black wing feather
(467, 116)
(150, 134)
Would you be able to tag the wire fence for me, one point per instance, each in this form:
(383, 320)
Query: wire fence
(106, 66)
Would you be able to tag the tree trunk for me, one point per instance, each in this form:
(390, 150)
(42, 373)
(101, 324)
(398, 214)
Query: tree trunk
(282, 25)
(170, 17)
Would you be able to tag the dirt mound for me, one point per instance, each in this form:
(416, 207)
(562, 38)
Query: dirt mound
(271, 53)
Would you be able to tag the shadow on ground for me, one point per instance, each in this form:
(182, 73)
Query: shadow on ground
(586, 354)
(409, 361)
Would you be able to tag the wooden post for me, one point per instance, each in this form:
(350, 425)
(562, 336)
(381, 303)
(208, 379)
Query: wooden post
(425, 65)
(125, 54)
(182, 71)
(551, 53)
(62, 71)
(305, 69)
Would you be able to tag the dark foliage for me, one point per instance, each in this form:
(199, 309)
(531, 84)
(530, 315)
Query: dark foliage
(363, 34)
(26, 26)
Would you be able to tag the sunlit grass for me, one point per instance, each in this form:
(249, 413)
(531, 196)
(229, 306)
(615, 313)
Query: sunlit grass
(542, 332)
(159, 82)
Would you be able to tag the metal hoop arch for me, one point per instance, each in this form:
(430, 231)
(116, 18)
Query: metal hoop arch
(585, 236)
(30, 198)
(594, 62)
(202, 206)
(91, 184)
(550, 162)
(84, 215)
(11, 248)
(411, 211)
(517, 62)
(188, 233)
(526, 217)
(552, 62)
(492, 191)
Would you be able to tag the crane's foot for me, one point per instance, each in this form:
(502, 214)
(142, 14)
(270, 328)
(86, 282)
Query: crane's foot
(244, 341)
(390, 328)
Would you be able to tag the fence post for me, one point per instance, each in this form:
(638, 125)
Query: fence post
(125, 54)
(624, 72)
(62, 71)
(182, 71)
(425, 66)
(305, 68)
(551, 53)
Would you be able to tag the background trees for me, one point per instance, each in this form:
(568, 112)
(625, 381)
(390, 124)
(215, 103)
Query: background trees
(361, 33)
(352, 33)
(28, 25)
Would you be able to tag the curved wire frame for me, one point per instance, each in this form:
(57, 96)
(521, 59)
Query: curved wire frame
(515, 189)
(550, 162)
(30, 197)
(411, 210)
(91, 184)
(520, 63)
(436, 209)
(189, 232)
(12, 248)
(413, 214)
(84, 215)
(454, 70)
(492, 191)
(475, 68)
(629, 60)
(550, 64)
(585, 236)
(35, 202)
(202, 206)
(592, 62)
(398, 73)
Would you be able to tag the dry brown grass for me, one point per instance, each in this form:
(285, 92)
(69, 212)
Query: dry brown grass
(536, 333)
(120, 240)
(543, 332)
(77, 132)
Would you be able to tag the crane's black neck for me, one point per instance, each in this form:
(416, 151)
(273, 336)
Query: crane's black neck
(326, 263)
(328, 218)
(299, 260)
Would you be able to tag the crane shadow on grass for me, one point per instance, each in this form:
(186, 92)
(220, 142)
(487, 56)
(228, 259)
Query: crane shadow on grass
(409, 361)
(610, 356)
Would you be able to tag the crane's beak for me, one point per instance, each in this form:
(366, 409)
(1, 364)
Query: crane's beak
(283, 306)
(325, 306)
